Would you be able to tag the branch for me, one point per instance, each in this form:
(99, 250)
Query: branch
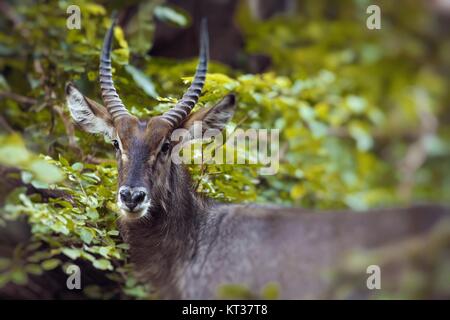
(12, 180)
(416, 154)
(17, 97)
(70, 129)
(5, 125)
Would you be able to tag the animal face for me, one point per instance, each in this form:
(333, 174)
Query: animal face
(143, 157)
(143, 146)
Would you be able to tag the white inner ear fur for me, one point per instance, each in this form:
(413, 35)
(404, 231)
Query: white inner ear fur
(83, 115)
(219, 115)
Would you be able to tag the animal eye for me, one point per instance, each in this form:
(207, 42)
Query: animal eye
(115, 144)
(165, 147)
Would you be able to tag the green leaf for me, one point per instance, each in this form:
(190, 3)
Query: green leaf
(92, 213)
(271, 291)
(298, 191)
(166, 13)
(50, 264)
(120, 37)
(233, 291)
(46, 172)
(121, 55)
(103, 264)
(142, 80)
(26, 176)
(12, 155)
(72, 253)
(19, 277)
(94, 9)
(34, 269)
(77, 166)
(86, 235)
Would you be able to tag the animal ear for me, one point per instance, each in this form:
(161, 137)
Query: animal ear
(88, 114)
(215, 117)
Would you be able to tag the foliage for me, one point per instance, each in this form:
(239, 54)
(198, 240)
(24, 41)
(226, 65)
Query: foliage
(349, 102)
(35, 170)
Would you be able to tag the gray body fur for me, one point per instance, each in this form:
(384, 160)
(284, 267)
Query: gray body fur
(254, 245)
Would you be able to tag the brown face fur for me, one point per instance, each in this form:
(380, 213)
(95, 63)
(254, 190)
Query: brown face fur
(142, 160)
(147, 176)
(140, 148)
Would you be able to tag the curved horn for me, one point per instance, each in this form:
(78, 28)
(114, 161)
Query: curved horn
(184, 106)
(110, 97)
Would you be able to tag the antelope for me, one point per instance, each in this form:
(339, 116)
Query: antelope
(187, 246)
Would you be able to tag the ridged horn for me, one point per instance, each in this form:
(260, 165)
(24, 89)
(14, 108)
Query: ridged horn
(184, 106)
(110, 97)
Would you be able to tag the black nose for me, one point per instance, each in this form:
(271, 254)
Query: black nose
(131, 198)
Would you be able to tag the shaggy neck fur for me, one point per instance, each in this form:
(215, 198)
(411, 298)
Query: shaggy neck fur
(165, 239)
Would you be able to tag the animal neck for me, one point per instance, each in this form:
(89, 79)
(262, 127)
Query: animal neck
(164, 240)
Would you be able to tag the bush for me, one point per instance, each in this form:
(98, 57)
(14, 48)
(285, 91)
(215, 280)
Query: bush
(356, 110)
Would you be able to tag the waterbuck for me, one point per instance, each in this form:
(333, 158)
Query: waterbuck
(186, 246)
